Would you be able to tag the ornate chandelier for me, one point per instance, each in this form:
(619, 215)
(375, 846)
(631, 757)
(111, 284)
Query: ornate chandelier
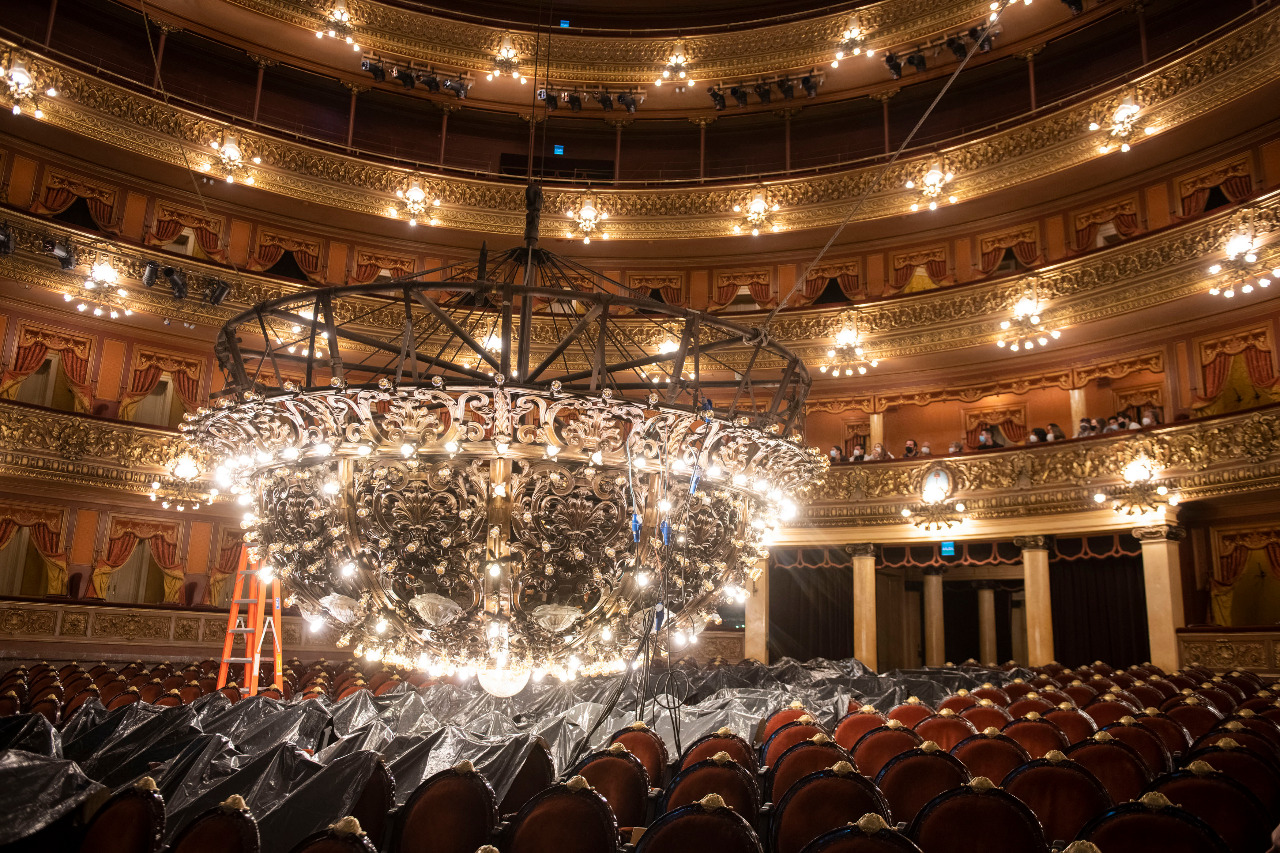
(1239, 272)
(931, 185)
(848, 356)
(1122, 126)
(20, 87)
(1142, 493)
(506, 61)
(181, 489)
(676, 69)
(936, 511)
(852, 41)
(417, 204)
(337, 24)
(757, 213)
(588, 219)
(101, 294)
(230, 159)
(1024, 329)
(463, 522)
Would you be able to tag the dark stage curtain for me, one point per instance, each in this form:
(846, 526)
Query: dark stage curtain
(1099, 611)
(810, 613)
(960, 621)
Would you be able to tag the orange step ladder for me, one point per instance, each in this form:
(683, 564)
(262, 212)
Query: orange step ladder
(250, 590)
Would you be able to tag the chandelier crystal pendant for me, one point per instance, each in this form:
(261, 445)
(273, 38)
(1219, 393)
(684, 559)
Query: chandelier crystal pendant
(1122, 127)
(230, 160)
(1143, 493)
(445, 518)
(20, 88)
(677, 69)
(932, 186)
(1025, 329)
(848, 356)
(181, 489)
(587, 219)
(101, 294)
(337, 24)
(757, 212)
(852, 43)
(1240, 272)
(506, 61)
(418, 205)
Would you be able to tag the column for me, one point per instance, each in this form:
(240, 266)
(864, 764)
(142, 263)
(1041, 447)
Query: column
(1078, 410)
(986, 622)
(935, 653)
(702, 122)
(48, 30)
(786, 146)
(1140, 10)
(757, 619)
(876, 430)
(1030, 56)
(618, 124)
(864, 602)
(1162, 578)
(356, 89)
(263, 64)
(1039, 605)
(164, 36)
(445, 109)
(883, 98)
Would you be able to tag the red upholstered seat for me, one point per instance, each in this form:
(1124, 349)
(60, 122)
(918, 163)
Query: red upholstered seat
(945, 729)
(1061, 793)
(50, 708)
(958, 701)
(1162, 685)
(855, 724)
(1108, 709)
(132, 821)
(1258, 725)
(1146, 695)
(1075, 723)
(1248, 739)
(568, 818)
(1037, 735)
(698, 828)
(788, 736)
(1197, 716)
(1258, 773)
(977, 816)
(722, 740)
(535, 775)
(1220, 801)
(451, 812)
(821, 802)
(226, 828)
(1027, 704)
(719, 775)
(990, 754)
(1248, 682)
(874, 749)
(1152, 826)
(127, 697)
(1117, 765)
(1146, 743)
(869, 834)
(910, 780)
(345, 836)
(986, 714)
(644, 743)
(779, 718)
(621, 779)
(910, 712)
(997, 695)
(1172, 734)
(799, 761)
(1080, 693)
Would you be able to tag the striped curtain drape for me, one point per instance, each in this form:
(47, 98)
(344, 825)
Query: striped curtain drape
(73, 361)
(44, 529)
(124, 540)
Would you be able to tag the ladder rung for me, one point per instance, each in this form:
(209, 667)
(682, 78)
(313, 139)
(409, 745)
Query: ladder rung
(240, 631)
(245, 601)
(237, 660)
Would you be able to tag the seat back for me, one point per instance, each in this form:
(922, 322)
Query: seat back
(855, 724)
(874, 749)
(707, 825)
(910, 780)
(986, 714)
(998, 697)
(225, 828)
(644, 743)
(1144, 742)
(1001, 823)
(957, 702)
(1075, 724)
(1258, 773)
(1152, 824)
(723, 740)
(1220, 801)
(1061, 793)
(990, 754)
(910, 712)
(1236, 731)
(1037, 735)
(375, 802)
(132, 821)
(779, 718)
(453, 811)
(1107, 709)
(1117, 765)
(945, 728)
(721, 775)
(786, 737)
(821, 802)
(536, 775)
(1198, 717)
(1172, 734)
(1027, 704)
(621, 779)
(799, 761)
(568, 818)
(869, 834)
(345, 836)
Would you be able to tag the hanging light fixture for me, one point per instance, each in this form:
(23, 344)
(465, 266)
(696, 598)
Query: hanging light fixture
(230, 160)
(931, 186)
(1143, 492)
(182, 488)
(848, 356)
(757, 211)
(473, 524)
(1241, 271)
(418, 205)
(101, 294)
(21, 90)
(1024, 329)
(337, 24)
(852, 42)
(506, 60)
(677, 68)
(587, 219)
(1122, 126)
(936, 510)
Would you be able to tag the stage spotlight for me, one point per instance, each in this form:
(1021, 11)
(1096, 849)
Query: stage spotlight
(575, 102)
(218, 291)
(177, 281)
(894, 65)
(375, 68)
(6, 240)
(717, 98)
(984, 42)
(458, 87)
(627, 100)
(552, 100)
(916, 60)
(764, 92)
(1076, 6)
(956, 45)
(810, 85)
(405, 76)
(61, 250)
(431, 81)
(739, 95)
(605, 100)
(787, 88)
(150, 273)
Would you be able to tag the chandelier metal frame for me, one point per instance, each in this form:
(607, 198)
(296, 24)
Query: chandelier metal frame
(1242, 268)
(548, 511)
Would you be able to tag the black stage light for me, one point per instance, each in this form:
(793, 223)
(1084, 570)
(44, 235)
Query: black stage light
(6, 240)
(552, 101)
(764, 92)
(894, 65)
(375, 68)
(150, 273)
(431, 81)
(984, 42)
(627, 100)
(458, 87)
(739, 95)
(61, 250)
(575, 103)
(218, 291)
(956, 45)
(1076, 6)
(405, 76)
(787, 88)
(716, 98)
(916, 60)
(810, 85)
(177, 281)
(605, 100)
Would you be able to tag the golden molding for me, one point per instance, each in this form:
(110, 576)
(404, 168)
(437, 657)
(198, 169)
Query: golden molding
(1210, 458)
(630, 59)
(1230, 67)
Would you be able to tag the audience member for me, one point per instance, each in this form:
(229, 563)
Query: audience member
(1113, 425)
(878, 453)
(1149, 417)
(1084, 430)
(985, 440)
(1037, 435)
(925, 449)
(911, 451)
(858, 455)
(836, 454)
(955, 447)
(1056, 433)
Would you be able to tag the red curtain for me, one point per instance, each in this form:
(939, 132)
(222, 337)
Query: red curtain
(8, 527)
(1027, 252)
(902, 276)
(365, 273)
(1273, 554)
(937, 269)
(209, 242)
(672, 294)
(990, 260)
(103, 213)
(165, 554)
(266, 257)
(188, 388)
(142, 383)
(1261, 373)
(1086, 236)
(1014, 432)
(26, 361)
(46, 540)
(1230, 566)
(165, 232)
(762, 293)
(1215, 374)
(722, 294)
(1194, 204)
(309, 263)
(1127, 224)
(1237, 188)
(57, 199)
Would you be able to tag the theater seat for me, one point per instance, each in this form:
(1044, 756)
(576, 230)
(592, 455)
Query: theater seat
(721, 775)
(874, 749)
(453, 811)
(822, 802)
(707, 825)
(567, 818)
(1061, 793)
(910, 780)
(644, 743)
(991, 754)
(945, 728)
(1151, 825)
(621, 779)
(994, 822)
(1037, 735)
(869, 834)
(226, 828)
(855, 724)
(722, 740)
(1220, 801)
(1117, 765)
(345, 836)
(132, 821)
(799, 761)
(910, 712)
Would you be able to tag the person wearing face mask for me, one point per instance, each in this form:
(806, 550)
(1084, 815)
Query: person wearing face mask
(878, 453)
(911, 451)
(836, 454)
(1084, 430)
(1149, 417)
(858, 454)
(1037, 435)
(926, 450)
(1055, 433)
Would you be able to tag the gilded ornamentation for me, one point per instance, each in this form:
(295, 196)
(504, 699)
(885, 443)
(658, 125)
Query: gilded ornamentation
(131, 626)
(1009, 237)
(1225, 654)
(1031, 543)
(186, 630)
(16, 620)
(74, 624)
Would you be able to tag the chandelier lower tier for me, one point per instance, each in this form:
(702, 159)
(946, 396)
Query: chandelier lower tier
(441, 513)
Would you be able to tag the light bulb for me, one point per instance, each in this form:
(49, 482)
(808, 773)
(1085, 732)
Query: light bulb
(348, 569)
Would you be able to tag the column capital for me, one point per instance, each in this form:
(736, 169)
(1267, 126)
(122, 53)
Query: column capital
(934, 570)
(861, 549)
(619, 123)
(262, 61)
(1032, 543)
(1030, 52)
(356, 88)
(1160, 533)
(701, 121)
(885, 94)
